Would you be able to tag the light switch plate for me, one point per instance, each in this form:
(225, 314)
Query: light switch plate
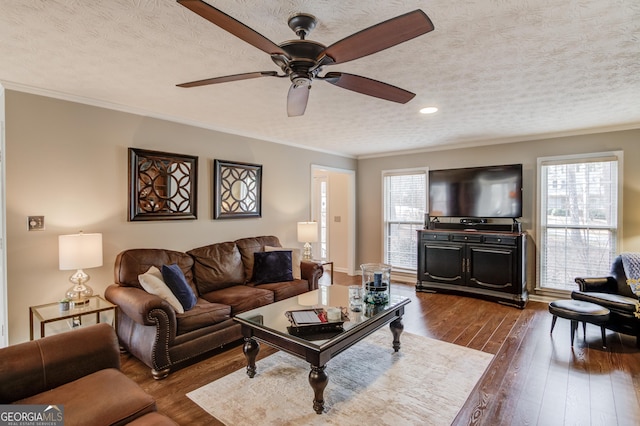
(35, 223)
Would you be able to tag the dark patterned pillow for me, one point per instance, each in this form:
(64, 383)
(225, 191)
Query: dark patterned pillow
(272, 267)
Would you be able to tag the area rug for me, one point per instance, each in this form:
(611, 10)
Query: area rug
(426, 383)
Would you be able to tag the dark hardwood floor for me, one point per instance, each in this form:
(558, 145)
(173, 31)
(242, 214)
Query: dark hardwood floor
(534, 378)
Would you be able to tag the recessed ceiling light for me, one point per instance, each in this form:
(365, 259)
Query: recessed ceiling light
(428, 110)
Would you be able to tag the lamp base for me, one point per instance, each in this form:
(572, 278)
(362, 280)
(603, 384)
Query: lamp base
(74, 303)
(306, 254)
(79, 295)
(80, 292)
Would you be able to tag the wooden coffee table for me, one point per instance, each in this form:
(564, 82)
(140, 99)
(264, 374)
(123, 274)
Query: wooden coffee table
(269, 324)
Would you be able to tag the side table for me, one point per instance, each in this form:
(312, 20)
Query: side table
(325, 262)
(51, 312)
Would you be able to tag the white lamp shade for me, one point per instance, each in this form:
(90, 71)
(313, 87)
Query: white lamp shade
(307, 232)
(80, 251)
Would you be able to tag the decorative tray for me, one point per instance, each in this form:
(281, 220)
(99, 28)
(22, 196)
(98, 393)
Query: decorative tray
(313, 321)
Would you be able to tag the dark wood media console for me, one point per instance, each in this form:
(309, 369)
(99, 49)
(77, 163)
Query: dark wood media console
(488, 264)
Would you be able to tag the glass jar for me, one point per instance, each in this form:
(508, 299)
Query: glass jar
(376, 283)
(355, 298)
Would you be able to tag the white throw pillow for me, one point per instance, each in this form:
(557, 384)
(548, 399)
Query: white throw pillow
(295, 259)
(153, 283)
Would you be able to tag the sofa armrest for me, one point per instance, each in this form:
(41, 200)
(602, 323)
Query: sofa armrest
(139, 305)
(311, 271)
(597, 284)
(34, 367)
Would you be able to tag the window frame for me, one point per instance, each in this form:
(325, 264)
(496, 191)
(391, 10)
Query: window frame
(385, 224)
(541, 193)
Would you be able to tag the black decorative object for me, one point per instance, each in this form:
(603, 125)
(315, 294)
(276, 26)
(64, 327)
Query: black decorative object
(238, 189)
(162, 186)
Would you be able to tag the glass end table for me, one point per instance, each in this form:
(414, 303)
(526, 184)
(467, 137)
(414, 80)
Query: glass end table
(51, 312)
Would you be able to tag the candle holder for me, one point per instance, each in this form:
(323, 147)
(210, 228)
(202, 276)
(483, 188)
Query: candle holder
(376, 283)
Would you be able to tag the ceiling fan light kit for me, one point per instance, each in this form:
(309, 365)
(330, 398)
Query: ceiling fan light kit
(302, 60)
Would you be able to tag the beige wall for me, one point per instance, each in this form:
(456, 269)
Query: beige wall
(68, 162)
(369, 188)
(338, 218)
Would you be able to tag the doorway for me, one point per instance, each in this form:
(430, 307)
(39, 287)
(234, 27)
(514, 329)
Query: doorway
(333, 193)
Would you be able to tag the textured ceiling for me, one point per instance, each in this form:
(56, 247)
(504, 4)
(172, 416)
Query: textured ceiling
(499, 70)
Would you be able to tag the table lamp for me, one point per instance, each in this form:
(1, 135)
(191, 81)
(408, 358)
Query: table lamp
(307, 234)
(79, 251)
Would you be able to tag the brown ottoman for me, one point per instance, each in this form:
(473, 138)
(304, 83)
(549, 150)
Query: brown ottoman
(576, 311)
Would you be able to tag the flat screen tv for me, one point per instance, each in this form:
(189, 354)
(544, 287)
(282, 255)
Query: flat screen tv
(476, 192)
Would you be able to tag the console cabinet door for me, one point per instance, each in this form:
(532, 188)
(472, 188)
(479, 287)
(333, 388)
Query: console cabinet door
(444, 263)
(492, 267)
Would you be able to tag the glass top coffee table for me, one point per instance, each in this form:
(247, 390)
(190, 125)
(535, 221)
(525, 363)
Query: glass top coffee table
(270, 324)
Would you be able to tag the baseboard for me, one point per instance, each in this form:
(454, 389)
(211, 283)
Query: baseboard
(543, 299)
(404, 277)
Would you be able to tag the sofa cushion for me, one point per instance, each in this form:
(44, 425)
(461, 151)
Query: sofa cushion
(105, 397)
(217, 266)
(248, 246)
(284, 290)
(272, 267)
(175, 280)
(203, 314)
(241, 297)
(295, 259)
(153, 283)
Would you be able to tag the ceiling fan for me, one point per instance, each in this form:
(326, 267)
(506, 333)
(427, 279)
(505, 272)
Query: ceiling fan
(302, 60)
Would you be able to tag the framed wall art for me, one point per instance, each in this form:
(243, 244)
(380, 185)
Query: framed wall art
(162, 185)
(238, 190)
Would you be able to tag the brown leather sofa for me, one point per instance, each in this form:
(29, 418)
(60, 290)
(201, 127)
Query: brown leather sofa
(80, 371)
(221, 276)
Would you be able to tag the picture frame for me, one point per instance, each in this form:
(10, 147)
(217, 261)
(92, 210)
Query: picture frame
(162, 185)
(238, 190)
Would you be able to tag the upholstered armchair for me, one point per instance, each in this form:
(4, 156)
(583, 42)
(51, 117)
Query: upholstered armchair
(80, 370)
(614, 293)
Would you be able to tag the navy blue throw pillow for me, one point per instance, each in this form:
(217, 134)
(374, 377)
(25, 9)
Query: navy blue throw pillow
(272, 267)
(175, 280)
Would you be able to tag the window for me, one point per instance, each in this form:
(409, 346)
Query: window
(579, 207)
(405, 202)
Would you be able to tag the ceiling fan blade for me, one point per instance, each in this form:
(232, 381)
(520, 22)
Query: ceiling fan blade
(233, 26)
(297, 100)
(227, 78)
(379, 37)
(368, 86)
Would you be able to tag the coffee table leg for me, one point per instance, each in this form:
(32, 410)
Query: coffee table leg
(396, 329)
(318, 380)
(251, 348)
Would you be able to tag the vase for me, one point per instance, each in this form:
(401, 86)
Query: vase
(376, 283)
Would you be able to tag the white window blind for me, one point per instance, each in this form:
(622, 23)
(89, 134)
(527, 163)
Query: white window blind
(578, 218)
(405, 202)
